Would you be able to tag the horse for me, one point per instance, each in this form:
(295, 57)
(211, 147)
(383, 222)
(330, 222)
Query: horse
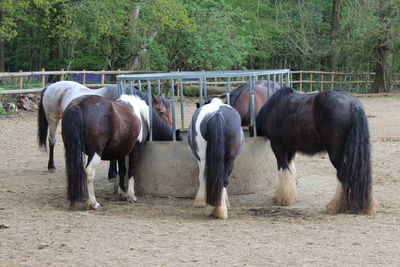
(215, 138)
(103, 130)
(240, 98)
(56, 97)
(332, 121)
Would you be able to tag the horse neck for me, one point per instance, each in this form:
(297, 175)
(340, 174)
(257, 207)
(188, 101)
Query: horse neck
(109, 92)
(161, 131)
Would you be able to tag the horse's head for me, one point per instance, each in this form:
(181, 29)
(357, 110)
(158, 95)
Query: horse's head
(162, 107)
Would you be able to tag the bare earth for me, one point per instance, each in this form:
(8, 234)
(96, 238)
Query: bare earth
(37, 229)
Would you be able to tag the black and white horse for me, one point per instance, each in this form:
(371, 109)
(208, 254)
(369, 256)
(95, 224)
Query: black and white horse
(215, 137)
(310, 123)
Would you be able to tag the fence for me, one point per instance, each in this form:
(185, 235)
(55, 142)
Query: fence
(322, 81)
(20, 82)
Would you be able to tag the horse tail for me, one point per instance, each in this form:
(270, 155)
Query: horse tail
(72, 134)
(355, 172)
(215, 159)
(43, 124)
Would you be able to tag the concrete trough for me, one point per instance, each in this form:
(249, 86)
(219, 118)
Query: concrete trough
(170, 169)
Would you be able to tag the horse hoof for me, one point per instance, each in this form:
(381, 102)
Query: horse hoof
(283, 201)
(199, 203)
(210, 211)
(52, 170)
(133, 200)
(95, 206)
(221, 213)
(72, 206)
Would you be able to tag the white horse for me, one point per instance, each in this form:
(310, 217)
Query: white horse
(215, 137)
(54, 100)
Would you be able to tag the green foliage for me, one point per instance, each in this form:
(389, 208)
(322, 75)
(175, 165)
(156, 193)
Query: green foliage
(194, 34)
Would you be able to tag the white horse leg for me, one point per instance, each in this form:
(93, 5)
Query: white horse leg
(228, 205)
(221, 212)
(53, 123)
(210, 210)
(131, 191)
(338, 203)
(90, 173)
(200, 200)
(286, 192)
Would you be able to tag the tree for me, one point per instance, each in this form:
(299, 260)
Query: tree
(334, 34)
(387, 12)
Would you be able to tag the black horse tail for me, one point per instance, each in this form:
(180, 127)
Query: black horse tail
(43, 125)
(355, 172)
(215, 159)
(72, 134)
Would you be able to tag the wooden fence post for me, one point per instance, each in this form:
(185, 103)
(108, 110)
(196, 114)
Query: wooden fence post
(21, 81)
(357, 84)
(291, 78)
(102, 78)
(43, 79)
(84, 77)
(332, 80)
(321, 87)
(311, 81)
(366, 82)
(62, 75)
(301, 81)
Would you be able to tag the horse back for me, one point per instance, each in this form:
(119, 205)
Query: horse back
(111, 129)
(241, 98)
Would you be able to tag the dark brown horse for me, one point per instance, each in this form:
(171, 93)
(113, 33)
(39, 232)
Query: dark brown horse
(331, 121)
(103, 130)
(240, 98)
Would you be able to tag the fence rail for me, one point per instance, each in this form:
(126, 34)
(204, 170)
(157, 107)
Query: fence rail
(34, 81)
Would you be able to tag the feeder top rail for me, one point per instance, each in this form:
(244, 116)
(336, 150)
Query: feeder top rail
(199, 74)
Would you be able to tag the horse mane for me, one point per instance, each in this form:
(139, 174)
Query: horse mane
(110, 92)
(271, 103)
(138, 105)
(237, 92)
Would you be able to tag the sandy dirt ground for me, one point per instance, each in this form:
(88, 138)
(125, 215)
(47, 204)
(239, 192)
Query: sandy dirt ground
(36, 228)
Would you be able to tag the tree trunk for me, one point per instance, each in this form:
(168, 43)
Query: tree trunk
(384, 51)
(383, 70)
(334, 34)
(2, 63)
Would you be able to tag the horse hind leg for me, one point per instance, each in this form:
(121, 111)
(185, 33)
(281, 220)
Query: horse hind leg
(53, 123)
(200, 199)
(221, 211)
(339, 203)
(90, 173)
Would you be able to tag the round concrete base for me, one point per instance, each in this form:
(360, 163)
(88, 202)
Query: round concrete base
(170, 169)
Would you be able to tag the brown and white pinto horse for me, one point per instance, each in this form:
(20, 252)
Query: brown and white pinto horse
(215, 137)
(56, 97)
(240, 98)
(103, 130)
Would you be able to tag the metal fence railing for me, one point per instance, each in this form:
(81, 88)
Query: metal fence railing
(155, 80)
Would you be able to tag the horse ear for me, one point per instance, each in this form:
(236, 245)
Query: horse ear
(155, 99)
(197, 105)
